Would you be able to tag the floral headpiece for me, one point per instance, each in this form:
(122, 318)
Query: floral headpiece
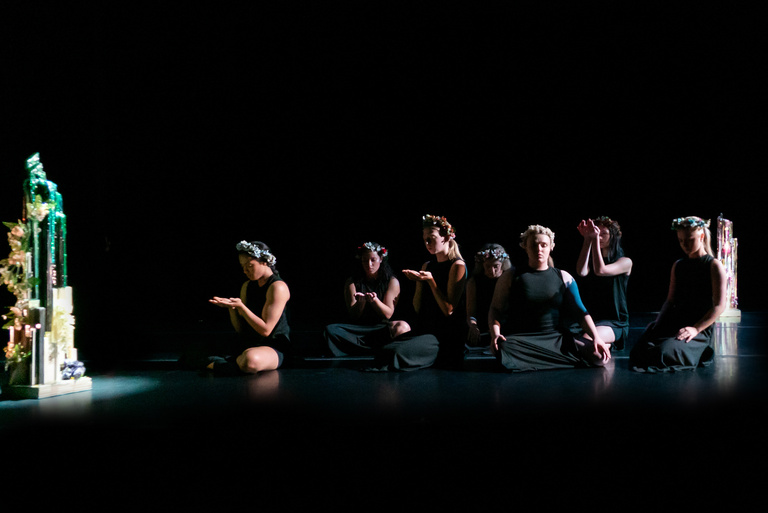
(376, 248)
(257, 252)
(492, 254)
(689, 222)
(445, 227)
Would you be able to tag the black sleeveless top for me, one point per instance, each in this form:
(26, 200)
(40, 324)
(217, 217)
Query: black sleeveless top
(255, 299)
(606, 298)
(431, 319)
(693, 290)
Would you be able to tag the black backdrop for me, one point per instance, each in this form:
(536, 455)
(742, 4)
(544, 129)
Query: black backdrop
(173, 133)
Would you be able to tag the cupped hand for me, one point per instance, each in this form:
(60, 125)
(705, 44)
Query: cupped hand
(417, 275)
(226, 302)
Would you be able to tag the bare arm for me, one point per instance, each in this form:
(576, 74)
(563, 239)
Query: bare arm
(456, 281)
(354, 306)
(621, 266)
(230, 304)
(499, 307)
(384, 306)
(277, 297)
(582, 264)
(445, 300)
(600, 350)
(718, 278)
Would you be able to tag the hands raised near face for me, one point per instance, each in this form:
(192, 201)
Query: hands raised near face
(588, 229)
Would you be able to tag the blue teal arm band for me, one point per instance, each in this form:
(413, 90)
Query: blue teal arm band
(574, 292)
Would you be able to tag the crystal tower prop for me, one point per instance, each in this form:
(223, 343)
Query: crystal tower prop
(41, 354)
(727, 253)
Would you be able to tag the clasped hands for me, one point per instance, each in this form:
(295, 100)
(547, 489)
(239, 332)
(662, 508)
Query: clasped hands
(588, 229)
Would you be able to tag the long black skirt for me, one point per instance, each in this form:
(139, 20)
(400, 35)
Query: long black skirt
(356, 339)
(549, 350)
(407, 353)
(657, 350)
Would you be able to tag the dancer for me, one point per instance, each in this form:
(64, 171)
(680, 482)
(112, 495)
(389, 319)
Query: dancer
(438, 300)
(490, 263)
(370, 295)
(680, 338)
(605, 272)
(258, 315)
(531, 305)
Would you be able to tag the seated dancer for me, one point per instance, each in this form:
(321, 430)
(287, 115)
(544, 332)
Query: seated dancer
(438, 300)
(528, 311)
(370, 296)
(680, 338)
(490, 263)
(604, 273)
(258, 315)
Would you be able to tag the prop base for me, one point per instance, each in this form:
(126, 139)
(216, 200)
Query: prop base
(51, 390)
(730, 315)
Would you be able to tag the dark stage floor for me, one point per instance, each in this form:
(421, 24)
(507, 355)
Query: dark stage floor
(462, 436)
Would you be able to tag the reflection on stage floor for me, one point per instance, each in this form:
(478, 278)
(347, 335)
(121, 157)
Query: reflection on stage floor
(327, 416)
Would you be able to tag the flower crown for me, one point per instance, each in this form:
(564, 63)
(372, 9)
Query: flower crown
(689, 222)
(492, 254)
(376, 248)
(445, 227)
(257, 252)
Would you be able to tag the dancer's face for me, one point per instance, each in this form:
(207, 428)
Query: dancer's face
(492, 268)
(434, 242)
(691, 241)
(253, 268)
(371, 262)
(539, 248)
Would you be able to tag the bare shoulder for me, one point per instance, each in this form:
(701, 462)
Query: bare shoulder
(279, 289)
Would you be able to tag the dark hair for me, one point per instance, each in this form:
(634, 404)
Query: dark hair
(615, 250)
(385, 271)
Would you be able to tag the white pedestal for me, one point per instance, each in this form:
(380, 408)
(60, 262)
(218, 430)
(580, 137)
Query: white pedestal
(49, 390)
(730, 315)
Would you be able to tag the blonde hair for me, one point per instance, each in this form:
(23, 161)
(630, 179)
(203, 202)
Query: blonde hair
(453, 250)
(534, 230)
